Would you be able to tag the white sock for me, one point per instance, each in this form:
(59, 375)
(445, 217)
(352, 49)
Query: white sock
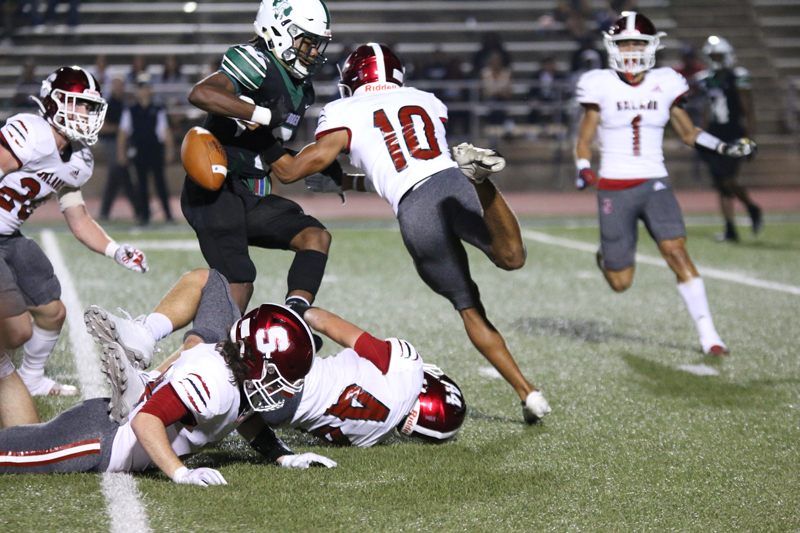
(37, 351)
(159, 325)
(694, 294)
(6, 366)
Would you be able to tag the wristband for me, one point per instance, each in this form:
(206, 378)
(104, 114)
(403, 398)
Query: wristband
(272, 153)
(261, 115)
(582, 163)
(111, 249)
(706, 140)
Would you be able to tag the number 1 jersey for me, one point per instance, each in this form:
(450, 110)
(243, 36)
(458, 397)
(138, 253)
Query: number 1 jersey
(397, 137)
(632, 119)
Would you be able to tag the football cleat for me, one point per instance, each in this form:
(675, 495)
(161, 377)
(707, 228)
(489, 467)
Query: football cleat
(127, 383)
(714, 348)
(535, 407)
(757, 218)
(48, 387)
(131, 334)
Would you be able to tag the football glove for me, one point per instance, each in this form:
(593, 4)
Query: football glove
(535, 407)
(127, 256)
(305, 460)
(477, 163)
(198, 476)
(586, 178)
(741, 148)
(321, 183)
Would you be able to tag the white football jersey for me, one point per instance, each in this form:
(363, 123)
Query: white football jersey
(397, 137)
(202, 381)
(346, 400)
(42, 172)
(632, 120)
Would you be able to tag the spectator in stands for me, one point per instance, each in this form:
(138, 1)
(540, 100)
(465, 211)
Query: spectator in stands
(172, 72)
(490, 44)
(145, 124)
(138, 70)
(572, 14)
(689, 67)
(579, 59)
(100, 72)
(27, 84)
(118, 175)
(496, 86)
(8, 12)
(73, 13)
(548, 92)
(445, 69)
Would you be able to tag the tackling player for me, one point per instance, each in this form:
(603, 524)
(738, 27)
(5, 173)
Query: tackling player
(728, 91)
(396, 135)
(628, 106)
(200, 399)
(357, 397)
(257, 100)
(41, 156)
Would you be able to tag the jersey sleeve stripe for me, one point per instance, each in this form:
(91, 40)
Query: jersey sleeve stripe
(678, 99)
(4, 142)
(253, 60)
(232, 70)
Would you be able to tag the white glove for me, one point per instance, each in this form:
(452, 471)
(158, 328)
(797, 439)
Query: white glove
(305, 460)
(127, 256)
(199, 476)
(536, 404)
(477, 163)
(741, 147)
(322, 183)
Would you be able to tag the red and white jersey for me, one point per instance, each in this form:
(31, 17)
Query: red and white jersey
(348, 401)
(202, 381)
(397, 137)
(632, 119)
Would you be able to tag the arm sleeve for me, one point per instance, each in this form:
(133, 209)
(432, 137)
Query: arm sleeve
(375, 351)
(245, 67)
(269, 445)
(166, 405)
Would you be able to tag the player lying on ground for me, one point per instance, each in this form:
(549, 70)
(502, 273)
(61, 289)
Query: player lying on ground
(396, 135)
(201, 398)
(357, 397)
(630, 104)
(41, 156)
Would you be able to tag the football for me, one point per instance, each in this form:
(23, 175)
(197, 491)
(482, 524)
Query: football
(204, 158)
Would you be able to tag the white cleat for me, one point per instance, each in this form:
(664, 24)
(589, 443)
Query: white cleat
(48, 387)
(128, 385)
(131, 334)
(535, 407)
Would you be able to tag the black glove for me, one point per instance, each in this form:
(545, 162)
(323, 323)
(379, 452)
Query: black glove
(334, 171)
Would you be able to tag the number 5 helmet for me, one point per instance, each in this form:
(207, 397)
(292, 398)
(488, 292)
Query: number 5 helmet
(439, 411)
(297, 32)
(632, 26)
(371, 67)
(70, 100)
(718, 53)
(278, 348)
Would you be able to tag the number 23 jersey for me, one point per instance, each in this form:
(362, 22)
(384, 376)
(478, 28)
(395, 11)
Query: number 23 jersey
(42, 171)
(632, 119)
(397, 137)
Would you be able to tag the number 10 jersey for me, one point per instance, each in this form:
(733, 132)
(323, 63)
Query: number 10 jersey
(397, 137)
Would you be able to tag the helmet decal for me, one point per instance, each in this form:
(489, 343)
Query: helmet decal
(371, 67)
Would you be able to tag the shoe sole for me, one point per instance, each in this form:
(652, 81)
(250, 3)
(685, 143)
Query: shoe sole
(718, 351)
(103, 330)
(113, 366)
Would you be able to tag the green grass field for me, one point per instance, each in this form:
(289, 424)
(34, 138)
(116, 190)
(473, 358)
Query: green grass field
(635, 441)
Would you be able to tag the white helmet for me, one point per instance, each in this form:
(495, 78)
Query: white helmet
(632, 26)
(281, 22)
(717, 46)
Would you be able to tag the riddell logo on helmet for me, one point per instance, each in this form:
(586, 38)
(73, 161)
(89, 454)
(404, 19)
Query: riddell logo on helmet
(410, 421)
(378, 86)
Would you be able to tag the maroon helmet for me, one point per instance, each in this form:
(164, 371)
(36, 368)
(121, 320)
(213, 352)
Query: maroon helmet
(632, 26)
(283, 351)
(439, 411)
(372, 66)
(71, 101)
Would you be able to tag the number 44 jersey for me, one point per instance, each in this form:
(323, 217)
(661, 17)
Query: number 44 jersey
(632, 119)
(43, 170)
(397, 137)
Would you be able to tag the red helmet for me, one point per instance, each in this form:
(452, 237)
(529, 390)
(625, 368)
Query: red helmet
(632, 26)
(59, 99)
(372, 65)
(283, 350)
(439, 412)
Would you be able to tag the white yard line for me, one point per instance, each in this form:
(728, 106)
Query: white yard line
(123, 499)
(659, 261)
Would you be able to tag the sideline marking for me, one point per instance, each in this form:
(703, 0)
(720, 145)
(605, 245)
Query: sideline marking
(123, 499)
(700, 370)
(659, 261)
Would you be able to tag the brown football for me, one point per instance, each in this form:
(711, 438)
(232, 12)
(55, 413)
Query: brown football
(204, 158)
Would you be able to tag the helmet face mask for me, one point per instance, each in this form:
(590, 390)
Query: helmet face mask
(70, 100)
(439, 411)
(371, 66)
(297, 32)
(278, 348)
(632, 26)
(718, 53)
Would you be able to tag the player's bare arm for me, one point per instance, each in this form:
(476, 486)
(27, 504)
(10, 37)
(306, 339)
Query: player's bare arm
(312, 159)
(748, 111)
(680, 120)
(216, 94)
(587, 131)
(334, 327)
(152, 435)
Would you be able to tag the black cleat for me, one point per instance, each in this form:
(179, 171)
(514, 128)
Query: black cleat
(756, 218)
